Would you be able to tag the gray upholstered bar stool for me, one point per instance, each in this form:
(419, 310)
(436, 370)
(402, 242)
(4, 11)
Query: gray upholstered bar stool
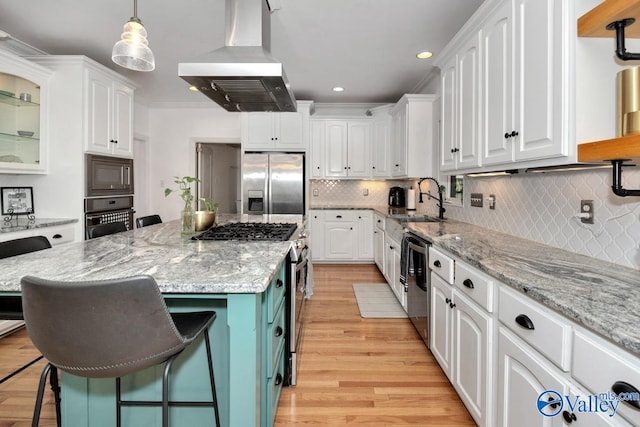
(105, 229)
(144, 221)
(102, 329)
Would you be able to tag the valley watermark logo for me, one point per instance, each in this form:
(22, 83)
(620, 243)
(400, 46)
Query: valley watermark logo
(551, 403)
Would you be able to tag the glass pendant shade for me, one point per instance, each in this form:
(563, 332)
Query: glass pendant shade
(132, 51)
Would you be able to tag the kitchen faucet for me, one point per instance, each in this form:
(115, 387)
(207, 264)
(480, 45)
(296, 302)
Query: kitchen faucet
(441, 209)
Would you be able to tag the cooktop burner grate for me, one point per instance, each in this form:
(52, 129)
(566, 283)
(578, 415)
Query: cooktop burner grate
(248, 231)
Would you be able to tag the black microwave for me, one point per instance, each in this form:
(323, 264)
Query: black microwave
(108, 176)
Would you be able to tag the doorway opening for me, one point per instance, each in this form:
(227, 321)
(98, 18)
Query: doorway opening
(218, 171)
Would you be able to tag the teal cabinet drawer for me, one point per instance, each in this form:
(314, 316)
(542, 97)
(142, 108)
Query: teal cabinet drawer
(274, 388)
(275, 295)
(276, 342)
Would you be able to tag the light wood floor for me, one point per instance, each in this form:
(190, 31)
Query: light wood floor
(353, 371)
(364, 372)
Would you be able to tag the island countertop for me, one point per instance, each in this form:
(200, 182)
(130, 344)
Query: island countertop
(177, 263)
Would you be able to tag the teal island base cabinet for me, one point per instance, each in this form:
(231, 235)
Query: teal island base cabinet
(247, 343)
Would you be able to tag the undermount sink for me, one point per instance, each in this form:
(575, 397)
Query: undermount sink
(414, 218)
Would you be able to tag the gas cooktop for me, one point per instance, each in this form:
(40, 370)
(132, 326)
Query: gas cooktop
(249, 231)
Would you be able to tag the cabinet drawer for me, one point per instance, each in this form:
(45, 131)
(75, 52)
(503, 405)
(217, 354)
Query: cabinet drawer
(275, 295)
(537, 325)
(338, 216)
(60, 235)
(441, 264)
(476, 285)
(598, 365)
(275, 340)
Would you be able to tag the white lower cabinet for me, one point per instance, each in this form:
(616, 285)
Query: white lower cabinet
(342, 235)
(461, 342)
(523, 377)
(392, 269)
(57, 235)
(378, 241)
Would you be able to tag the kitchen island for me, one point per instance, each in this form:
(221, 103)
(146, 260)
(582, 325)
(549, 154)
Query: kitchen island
(233, 278)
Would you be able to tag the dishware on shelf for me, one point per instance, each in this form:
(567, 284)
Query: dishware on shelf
(25, 133)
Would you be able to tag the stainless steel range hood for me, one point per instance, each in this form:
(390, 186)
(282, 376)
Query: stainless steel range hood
(242, 75)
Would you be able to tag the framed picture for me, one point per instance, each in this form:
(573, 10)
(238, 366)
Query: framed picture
(17, 200)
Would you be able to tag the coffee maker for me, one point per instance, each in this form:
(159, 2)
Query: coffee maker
(396, 197)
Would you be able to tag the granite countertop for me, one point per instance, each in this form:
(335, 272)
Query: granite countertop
(179, 264)
(25, 224)
(599, 295)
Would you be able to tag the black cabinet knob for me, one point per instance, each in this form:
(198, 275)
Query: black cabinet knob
(279, 283)
(278, 332)
(569, 417)
(451, 304)
(514, 134)
(524, 321)
(437, 263)
(278, 379)
(507, 135)
(447, 300)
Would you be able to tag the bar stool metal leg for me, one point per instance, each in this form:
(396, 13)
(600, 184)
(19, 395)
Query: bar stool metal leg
(41, 384)
(55, 387)
(211, 376)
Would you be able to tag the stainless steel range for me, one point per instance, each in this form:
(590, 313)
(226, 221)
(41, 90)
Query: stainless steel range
(296, 277)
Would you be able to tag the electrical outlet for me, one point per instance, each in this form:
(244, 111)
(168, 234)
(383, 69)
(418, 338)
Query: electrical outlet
(476, 200)
(315, 192)
(492, 201)
(586, 207)
(365, 191)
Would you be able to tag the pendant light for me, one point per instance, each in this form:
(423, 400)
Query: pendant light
(132, 51)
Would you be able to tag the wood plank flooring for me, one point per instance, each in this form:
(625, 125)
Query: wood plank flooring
(364, 372)
(353, 371)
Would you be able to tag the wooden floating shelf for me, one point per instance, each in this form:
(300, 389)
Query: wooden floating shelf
(626, 147)
(594, 22)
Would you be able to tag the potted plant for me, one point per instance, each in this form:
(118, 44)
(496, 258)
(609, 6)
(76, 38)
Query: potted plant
(187, 216)
(206, 218)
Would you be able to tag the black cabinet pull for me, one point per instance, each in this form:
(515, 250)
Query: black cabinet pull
(397, 165)
(514, 134)
(278, 332)
(524, 321)
(436, 263)
(279, 283)
(624, 387)
(278, 379)
(468, 283)
(452, 304)
(507, 135)
(569, 417)
(447, 300)
(57, 236)
(338, 216)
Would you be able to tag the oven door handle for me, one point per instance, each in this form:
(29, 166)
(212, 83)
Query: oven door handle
(420, 249)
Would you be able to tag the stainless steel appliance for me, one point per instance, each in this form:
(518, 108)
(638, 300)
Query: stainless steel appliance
(415, 266)
(296, 279)
(109, 209)
(108, 190)
(273, 183)
(396, 197)
(108, 176)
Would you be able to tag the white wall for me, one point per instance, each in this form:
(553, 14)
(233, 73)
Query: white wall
(173, 133)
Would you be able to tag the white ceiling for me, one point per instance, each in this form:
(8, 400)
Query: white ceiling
(366, 46)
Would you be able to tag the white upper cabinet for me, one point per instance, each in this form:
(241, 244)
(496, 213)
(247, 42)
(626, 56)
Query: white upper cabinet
(277, 131)
(413, 132)
(381, 144)
(109, 115)
(23, 115)
(460, 109)
(506, 85)
(341, 148)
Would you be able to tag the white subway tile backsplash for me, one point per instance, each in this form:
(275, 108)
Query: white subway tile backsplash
(538, 207)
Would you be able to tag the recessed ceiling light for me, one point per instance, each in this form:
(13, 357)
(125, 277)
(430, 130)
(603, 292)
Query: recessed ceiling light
(193, 89)
(424, 55)
(338, 89)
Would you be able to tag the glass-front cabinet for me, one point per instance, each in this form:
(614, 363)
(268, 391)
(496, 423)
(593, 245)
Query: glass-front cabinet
(23, 126)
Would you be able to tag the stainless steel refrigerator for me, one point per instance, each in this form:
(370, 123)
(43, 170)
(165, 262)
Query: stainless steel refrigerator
(273, 183)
